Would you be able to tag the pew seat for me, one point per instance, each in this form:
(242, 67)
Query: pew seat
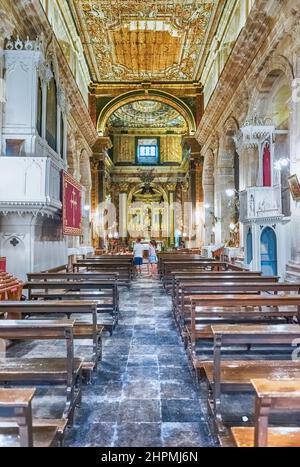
(18, 428)
(36, 369)
(278, 437)
(271, 395)
(238, 374)
(43, 436)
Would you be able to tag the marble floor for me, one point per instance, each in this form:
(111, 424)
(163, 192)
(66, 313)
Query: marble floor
(143, 393)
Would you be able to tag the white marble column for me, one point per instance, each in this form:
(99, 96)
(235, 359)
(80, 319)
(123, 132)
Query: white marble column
(225, 205)
(123, 230)
(209, 198)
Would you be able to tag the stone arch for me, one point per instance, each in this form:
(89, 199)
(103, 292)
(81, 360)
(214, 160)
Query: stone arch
(276, 68)
(151, 94)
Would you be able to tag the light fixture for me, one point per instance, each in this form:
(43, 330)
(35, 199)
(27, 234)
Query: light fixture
(86, 207)
(232, 226)
(110, 235)
(230, 192)
(207, 206)
(116, 235)
(184, 234)
(282, 162)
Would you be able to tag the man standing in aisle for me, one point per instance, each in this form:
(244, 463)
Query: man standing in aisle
(138, 251)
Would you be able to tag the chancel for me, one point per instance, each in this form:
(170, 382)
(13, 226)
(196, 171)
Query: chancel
(149, 225)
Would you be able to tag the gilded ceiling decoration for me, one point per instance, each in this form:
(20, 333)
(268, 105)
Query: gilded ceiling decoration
(134, 40)
(146, 114)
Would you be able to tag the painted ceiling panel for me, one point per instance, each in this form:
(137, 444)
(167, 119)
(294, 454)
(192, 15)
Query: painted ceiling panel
(133, 40)
(146, 114)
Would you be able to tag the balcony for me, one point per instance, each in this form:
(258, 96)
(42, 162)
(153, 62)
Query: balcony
(260, 203)
(29, 184)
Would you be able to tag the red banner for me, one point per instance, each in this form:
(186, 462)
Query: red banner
(71, 206)
(2, 264)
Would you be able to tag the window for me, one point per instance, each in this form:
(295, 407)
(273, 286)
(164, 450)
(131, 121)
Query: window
(147, 151)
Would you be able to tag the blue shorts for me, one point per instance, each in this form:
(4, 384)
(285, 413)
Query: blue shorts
(152, 259)
(138, 261)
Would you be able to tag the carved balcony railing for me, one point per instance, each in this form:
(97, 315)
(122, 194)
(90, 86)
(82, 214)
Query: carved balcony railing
(260, 202)
(29, 184)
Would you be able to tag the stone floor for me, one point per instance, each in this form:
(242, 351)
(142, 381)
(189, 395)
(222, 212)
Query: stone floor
(143, 394)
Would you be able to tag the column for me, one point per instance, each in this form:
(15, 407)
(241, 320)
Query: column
(209, 198)
(171, 198)
(225, 205)
(195, 188)
(100, 158)
(123, 228)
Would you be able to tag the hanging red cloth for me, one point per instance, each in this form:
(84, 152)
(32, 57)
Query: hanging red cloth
(267, 166)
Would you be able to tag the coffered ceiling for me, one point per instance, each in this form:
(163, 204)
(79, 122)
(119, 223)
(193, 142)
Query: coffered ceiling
(144, 40)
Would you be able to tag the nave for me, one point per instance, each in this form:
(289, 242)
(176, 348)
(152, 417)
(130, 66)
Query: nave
(164, 136)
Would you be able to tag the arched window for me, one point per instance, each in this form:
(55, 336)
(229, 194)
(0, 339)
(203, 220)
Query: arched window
(39, 120)
(267, 166)
(51, 125)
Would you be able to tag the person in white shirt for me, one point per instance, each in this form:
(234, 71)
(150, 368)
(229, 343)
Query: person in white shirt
(138, 251)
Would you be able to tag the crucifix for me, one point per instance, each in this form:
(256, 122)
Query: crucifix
(74, 205)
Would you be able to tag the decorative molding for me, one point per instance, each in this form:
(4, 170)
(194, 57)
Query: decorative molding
(175, 33)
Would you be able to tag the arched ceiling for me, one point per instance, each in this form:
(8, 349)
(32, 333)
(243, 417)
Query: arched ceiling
(146, 114)
(140, 40)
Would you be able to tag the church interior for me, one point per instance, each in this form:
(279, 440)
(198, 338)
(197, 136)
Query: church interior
(149, 216)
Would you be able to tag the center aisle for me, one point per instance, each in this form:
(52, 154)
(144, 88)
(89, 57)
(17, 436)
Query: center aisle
(143, 393)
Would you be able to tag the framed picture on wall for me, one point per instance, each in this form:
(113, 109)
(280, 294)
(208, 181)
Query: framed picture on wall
(294, 187)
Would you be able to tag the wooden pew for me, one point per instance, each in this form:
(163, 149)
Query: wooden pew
(177, 257)
(82, 330)
(198, 273)
(10, 287)
(261, 285)
(283, 395)
(23, 432)
(169, 267)
(66, 371)
(71, 276)
(124, 269)
(235, 376)
(105, 292)
(207, 309)
(182, 279)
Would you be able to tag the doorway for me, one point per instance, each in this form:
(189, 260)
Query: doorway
(268, 248)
